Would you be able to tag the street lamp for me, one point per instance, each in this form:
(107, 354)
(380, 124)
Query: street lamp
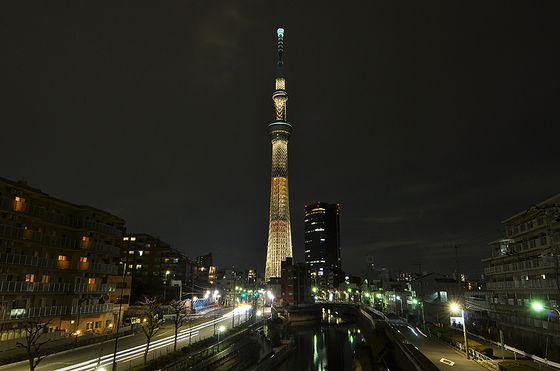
(119, 319)
(456, 308)
(415, 301)
(540, 307)
(165, 286)
(220, 329)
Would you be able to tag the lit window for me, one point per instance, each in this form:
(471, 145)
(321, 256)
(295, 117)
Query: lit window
(140, 252)
(125, 238)
(62, 257)
(91, 281)
(133, 238)
(131, 252)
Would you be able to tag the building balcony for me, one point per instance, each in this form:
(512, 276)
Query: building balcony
(100, 247)
(98, 268)
(45, 287)
(86, 287)
(103, 228)
(22, 233)
(41, 212)
(42, 312)
(60, 241)
(33, 261)
(91, 309)
(15, 286)
(31, 313)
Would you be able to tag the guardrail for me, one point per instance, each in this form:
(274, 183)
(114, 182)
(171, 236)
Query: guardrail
(515, 351)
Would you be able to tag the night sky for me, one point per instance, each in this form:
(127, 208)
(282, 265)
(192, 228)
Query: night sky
(428, 122)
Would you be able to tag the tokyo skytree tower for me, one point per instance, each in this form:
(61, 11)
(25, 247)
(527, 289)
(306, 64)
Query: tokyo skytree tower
(279, 229)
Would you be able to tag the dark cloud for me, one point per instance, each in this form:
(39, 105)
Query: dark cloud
(428, 123)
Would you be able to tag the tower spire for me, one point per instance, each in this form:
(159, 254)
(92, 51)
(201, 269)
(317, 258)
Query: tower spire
(280, 33)
(279, 227)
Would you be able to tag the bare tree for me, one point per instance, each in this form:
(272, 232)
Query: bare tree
(180, 315)
(33, 345)
(151, 312)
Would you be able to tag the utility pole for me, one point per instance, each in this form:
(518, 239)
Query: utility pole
(460, 278)
(421, 295)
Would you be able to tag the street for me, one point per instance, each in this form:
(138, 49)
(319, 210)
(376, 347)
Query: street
(131, 348)
(441, 355)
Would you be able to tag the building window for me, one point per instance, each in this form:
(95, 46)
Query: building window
(29, 278)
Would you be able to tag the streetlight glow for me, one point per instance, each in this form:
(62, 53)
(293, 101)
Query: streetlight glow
(457, 308)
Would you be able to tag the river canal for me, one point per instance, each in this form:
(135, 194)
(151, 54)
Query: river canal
(329, 345)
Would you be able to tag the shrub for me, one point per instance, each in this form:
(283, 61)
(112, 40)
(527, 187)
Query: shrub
(515, 366)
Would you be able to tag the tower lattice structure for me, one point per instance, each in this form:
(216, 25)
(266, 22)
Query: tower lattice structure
(279, 228)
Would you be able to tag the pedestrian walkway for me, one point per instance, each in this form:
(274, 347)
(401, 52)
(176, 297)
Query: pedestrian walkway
(439, 353)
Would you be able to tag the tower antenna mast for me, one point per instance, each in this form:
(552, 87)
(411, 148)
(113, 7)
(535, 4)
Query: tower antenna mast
(280, 33)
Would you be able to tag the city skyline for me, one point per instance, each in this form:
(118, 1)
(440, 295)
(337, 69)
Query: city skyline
(429, 124)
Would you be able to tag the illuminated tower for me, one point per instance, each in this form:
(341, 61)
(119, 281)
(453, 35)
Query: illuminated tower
(279, 229)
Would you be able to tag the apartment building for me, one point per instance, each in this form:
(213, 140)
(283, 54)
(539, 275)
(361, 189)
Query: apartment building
(156, 268)
(523, 270)
(57, 260)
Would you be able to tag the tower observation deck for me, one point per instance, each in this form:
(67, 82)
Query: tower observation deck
(279, 228)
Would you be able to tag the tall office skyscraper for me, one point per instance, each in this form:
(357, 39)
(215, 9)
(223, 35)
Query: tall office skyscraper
(279, 229)
(322, 238)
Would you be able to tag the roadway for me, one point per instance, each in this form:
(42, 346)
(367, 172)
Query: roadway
(442, 356)
(131, 348)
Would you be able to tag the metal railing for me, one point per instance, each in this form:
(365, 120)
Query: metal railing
(91, 309)
(33, 261)
(41, 211)
(18, 286)
(35, 312)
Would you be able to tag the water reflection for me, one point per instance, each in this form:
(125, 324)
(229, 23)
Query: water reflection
(329, 346)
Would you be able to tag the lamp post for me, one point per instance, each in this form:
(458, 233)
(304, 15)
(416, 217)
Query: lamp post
(80, 301)
(456, 308)
(234, 288)
(415, 301)
(540, 307)
(119, 319)
(165, 286)
(220, 329)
